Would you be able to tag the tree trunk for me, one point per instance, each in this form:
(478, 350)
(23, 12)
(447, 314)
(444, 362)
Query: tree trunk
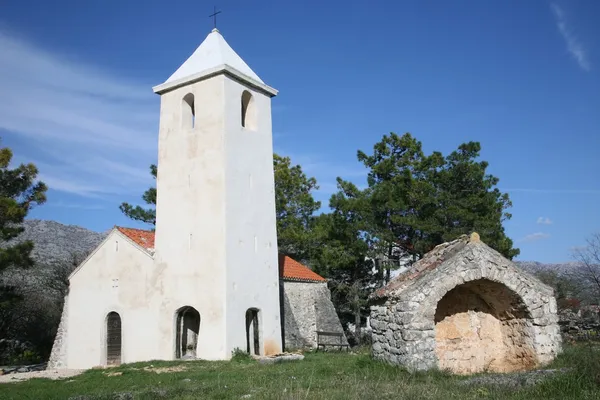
(356, 302)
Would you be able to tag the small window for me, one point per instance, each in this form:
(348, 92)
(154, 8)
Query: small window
(248, 111)
(113, 338)
(188, 112)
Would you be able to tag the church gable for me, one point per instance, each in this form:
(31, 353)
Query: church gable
(116, 251)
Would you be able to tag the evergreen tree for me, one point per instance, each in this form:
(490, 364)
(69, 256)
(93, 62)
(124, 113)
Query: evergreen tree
(19, 193)
(342, 253)
(420, 201)
(138, 213)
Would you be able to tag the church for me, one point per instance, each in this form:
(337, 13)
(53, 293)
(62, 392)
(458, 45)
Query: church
(209, 281)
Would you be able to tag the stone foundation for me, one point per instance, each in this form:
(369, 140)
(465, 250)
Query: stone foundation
(58, 356)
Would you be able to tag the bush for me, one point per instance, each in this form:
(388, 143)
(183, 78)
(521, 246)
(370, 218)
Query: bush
(240, 356)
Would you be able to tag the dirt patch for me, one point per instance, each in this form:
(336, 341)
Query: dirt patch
(47, 374)
(162, 370)
(113, 373)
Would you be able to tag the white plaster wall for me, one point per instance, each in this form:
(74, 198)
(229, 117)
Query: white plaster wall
(190, 229)
(114, 278)
(251, 237)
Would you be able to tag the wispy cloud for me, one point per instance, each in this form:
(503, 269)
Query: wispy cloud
(544, 221)
(551, 191)
(574, 47)
(92, 133)
(535, 237)
(82, 206)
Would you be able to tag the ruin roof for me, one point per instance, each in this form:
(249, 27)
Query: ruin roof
(439, 255)
(289, 269)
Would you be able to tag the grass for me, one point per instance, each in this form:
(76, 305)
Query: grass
(318, 376)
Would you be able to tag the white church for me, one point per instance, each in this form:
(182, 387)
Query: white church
(209, 280)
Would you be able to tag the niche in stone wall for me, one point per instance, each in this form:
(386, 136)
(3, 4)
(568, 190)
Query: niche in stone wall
(483, 326)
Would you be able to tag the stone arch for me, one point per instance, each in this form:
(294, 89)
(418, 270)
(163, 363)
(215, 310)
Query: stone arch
(187, 330)
(253, 331)
(113, 338)
(249, 114)
(403, 317)
(534, 301)
(482, 325)
(188, 111)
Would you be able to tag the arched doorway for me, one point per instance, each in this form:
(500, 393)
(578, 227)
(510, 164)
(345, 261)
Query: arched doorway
(252, 332)
(483, 326)
(186, 334)
(113, 338)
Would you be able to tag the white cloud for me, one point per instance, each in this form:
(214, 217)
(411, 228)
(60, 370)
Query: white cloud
(535, 237)
(574, 47)
(91, 133)
(544, 221)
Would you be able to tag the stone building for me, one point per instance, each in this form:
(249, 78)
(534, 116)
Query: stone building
(207, 282)
(306, 305)
(465, 308)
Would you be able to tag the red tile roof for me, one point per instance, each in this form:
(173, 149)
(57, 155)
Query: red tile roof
(289, 269)
(141, 237)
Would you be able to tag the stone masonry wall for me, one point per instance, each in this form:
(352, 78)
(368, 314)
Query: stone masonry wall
(58, 356)
(307, 308)
(403, 323)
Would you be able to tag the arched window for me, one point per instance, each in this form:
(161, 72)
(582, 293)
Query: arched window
(188, 111)
(186, 330)
(248, 111)
(113, 338)
(252, 332)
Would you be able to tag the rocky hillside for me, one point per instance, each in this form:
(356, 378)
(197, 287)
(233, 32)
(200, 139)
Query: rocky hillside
(534, 266)
(55, 242)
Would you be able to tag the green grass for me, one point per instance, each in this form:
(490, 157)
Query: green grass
(318, 376)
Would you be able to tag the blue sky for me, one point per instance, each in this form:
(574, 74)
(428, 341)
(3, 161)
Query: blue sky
(519, 77)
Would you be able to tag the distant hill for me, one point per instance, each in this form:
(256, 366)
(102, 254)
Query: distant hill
(534, 266)
(55, 242)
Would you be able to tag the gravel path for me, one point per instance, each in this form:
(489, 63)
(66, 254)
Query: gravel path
(50, 374)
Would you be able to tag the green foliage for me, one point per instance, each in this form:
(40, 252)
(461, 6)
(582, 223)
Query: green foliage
(240, 356)
(19, 193)
(295, 206)
(420, 201)
(138, 213)
(27, 357)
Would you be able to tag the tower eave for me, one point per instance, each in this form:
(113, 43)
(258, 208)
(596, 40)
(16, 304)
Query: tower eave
(221, 69)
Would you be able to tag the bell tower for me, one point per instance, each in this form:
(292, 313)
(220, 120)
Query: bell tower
(216, 240)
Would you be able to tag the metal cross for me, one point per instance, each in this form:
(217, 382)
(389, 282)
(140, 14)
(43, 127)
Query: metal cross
(214, 16)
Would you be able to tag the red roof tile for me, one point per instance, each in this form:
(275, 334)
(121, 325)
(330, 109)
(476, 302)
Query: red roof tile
(142, 237)
(289, 269)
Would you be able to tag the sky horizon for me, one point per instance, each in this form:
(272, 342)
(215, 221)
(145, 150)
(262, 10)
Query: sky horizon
(520, 78)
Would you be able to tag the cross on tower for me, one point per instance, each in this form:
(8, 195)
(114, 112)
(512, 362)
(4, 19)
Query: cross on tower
(214, 16)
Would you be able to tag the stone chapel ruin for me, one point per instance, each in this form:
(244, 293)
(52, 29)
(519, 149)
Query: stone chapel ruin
(465, 308)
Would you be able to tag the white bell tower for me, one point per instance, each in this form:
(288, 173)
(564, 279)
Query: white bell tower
(216, 242)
